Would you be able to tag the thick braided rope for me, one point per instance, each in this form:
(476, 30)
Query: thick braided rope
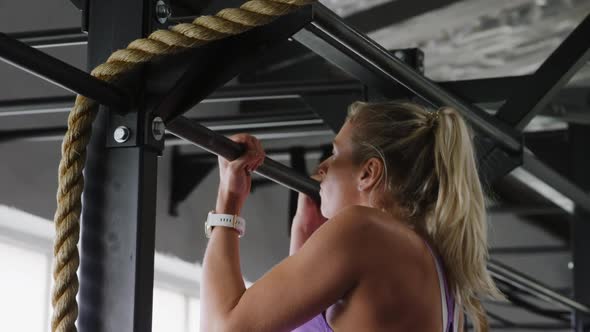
(204, 29)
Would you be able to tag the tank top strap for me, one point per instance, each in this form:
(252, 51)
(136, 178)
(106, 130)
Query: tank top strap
(450, 310)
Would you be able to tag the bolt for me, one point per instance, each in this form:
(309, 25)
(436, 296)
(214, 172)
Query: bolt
(400, 55)
(570, 265)
(420, 56)
(121, 134)
(158, 128)
(162, 11)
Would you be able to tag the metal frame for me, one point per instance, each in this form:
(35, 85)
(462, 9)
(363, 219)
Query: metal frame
(580, 227)
(548, 80)
(59, 72)
(119, 203)
(52, 38)
(116, 295)
(364, 59)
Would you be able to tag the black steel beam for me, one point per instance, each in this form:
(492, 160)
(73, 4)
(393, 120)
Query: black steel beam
(179, 82)
(284, 89)
(554, 73)
(220, 145)
(264, 124)
(529, 250)
(60, 73)
(52, 38)
(485, 90)
(525, 283)
(556, 181)
(118, 218)
(32, 106)
(580, 227)
(392, 12)
(364, 59)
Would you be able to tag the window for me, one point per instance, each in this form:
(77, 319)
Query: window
(23, 285)
(26, 253)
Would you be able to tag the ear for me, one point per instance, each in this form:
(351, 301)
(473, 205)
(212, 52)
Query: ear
(371, 171)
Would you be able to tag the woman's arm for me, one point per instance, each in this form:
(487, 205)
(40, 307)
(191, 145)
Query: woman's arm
(308, 218)
(300, 287)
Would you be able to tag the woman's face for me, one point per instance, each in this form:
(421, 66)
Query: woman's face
(338, 175)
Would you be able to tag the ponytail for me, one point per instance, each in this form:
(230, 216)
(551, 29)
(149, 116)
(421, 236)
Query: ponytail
(458, 224)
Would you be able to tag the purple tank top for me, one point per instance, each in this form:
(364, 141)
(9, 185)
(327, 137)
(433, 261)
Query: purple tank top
(319, 324)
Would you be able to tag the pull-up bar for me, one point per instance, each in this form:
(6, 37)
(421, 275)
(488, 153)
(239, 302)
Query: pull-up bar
(222, 146)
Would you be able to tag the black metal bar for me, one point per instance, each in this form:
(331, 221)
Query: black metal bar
(580, 227)
(285, 89)
(52, 38)
(553, 74)
(31, 106)
(556, 181)
(36, 134)
(529, 250)
(119, 201)
(178, 80)
(485, 90)
(525, 210)
(60, 73)
(222, 146)
(520, 281)
(364, 59)
(260, 125)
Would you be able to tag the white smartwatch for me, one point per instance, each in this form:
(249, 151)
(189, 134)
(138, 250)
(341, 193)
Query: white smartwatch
(224, 220)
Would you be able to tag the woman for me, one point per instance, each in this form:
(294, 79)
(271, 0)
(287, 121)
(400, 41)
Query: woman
(403, 248)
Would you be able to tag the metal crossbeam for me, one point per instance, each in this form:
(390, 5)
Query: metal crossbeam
(548, 80)
(556, 181)
(52, 38)
(179, 79)
(516, 279)
(60, 73)
(364, 59)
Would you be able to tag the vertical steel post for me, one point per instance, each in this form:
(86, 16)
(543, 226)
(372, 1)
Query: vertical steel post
(118, 219)
(580, 225)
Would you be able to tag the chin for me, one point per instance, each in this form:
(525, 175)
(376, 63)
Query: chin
(326, 212)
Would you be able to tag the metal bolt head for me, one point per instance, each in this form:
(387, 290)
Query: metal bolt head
(121, 134)
(158, 128)
(400, 55)
(162, 11)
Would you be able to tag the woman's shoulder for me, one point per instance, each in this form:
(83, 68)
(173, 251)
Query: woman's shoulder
(374, 227)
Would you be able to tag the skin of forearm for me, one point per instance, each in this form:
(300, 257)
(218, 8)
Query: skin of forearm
(222, 284)
(298, 237)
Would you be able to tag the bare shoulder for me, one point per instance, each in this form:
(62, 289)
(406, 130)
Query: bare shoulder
(371, 228)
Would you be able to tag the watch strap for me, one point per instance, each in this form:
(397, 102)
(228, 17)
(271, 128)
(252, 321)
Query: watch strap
(224, 220)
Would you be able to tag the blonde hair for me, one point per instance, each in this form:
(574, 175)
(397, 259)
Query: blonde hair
(431, 178)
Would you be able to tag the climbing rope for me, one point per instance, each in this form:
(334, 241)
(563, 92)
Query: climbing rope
(204, 29)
